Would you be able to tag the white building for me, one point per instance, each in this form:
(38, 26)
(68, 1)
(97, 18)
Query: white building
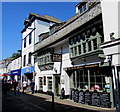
(111, 45)
(15, 69)
(33, 27)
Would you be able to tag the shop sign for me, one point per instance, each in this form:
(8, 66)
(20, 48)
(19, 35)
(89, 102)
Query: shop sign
(57, 57)
(81, 67)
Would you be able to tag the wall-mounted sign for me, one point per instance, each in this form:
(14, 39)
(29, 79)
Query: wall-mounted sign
(57, 57)
(81, 67)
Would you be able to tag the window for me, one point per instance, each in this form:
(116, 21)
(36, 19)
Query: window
(40, 83)
(82, 8)
(29, 58)
(30, 38)
(75, 49)
(84, 48)
(79, 48)
(49, 83)
(95, 44)
(89, 45)
(24, 60)
(24, 42)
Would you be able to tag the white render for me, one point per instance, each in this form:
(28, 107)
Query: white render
(110, 18)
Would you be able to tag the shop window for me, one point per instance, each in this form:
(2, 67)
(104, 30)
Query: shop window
(49, 83)
(40, 83)
(95, 44)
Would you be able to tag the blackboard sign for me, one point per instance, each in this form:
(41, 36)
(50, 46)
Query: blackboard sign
(96, 99)
(73, 93)
(105, 100)
(87, 97)
(81, 97)
(76, 96)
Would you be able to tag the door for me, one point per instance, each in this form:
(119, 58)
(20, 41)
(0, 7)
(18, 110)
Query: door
(57, 85)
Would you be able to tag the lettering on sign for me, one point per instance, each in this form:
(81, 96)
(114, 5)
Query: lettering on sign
(57, 57)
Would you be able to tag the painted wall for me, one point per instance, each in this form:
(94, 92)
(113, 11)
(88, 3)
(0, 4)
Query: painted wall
(110, 18)
(66, 62)
(41, 27)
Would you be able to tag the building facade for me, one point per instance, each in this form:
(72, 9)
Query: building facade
(71, 58)
(34, 26)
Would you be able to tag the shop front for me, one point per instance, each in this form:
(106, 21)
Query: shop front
(15, 74)
(27, 73)
(91, 85)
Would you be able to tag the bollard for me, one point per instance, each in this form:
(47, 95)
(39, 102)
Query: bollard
(52, 102)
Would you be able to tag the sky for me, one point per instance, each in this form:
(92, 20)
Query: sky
(14, 14)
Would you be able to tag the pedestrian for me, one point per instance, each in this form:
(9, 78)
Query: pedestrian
(5, 87)
(15, 84)
(24, 84)
(32, 85)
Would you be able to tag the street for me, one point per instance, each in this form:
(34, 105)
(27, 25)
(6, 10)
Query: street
(10, 103)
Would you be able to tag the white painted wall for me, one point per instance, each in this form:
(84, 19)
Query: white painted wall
(110, 18)
(66, 62)
(16, 64)
(41, 27)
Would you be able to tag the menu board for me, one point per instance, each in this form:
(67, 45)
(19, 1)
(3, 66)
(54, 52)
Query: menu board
(87, 97)
(81, 97)
(96, 99)
(73, 94)
(76, 96)
(105, 100)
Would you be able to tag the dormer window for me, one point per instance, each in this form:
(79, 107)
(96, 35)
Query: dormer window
(82, 8)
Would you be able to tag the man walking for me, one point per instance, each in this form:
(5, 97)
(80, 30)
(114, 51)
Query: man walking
(32, 85)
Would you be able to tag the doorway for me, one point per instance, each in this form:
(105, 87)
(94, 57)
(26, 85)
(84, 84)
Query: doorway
(57, 85)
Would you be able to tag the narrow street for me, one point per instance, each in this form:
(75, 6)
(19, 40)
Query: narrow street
(43, 103)
(10, 103)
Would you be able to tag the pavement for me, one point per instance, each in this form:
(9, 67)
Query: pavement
(40, 102)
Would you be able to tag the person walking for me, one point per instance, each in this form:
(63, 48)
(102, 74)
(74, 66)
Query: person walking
(32, 85)
(15, 84)
(24, 84)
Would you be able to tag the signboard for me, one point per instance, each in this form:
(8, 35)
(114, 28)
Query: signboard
(87, 97)
(81, 67)
(57, 57)
(76, 96)
(105, 100)
(81, 97)
(96, 99)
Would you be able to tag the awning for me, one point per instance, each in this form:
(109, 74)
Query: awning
(5, 74)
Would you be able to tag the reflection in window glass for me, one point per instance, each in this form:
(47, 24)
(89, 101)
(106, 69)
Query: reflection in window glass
(75, 49)
(84, 47)
(89, 45)
(71, 52)
(95, 44)
(79, 48)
